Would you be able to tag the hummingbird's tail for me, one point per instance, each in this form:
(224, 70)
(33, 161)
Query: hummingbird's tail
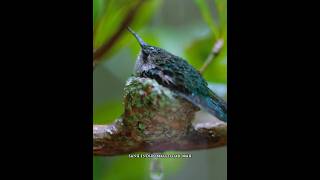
(214, 107)
(212, 104)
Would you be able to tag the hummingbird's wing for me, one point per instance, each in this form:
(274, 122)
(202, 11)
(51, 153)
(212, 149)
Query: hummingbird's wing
(212, 104)
(190, 85)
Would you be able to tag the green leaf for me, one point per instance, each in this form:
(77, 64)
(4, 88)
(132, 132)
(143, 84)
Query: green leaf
(98, 8)
(110, 21)
(143, 16)
(221, 6)
(113, 18)
(206, 15)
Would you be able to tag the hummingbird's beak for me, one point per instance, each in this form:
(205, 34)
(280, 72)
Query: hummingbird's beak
(141, 42)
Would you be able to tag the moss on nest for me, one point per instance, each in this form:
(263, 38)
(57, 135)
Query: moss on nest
(154, 112)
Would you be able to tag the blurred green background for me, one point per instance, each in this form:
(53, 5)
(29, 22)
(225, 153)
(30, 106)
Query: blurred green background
(187, 28)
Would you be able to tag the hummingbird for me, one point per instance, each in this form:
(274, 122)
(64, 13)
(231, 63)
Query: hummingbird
(179, 76)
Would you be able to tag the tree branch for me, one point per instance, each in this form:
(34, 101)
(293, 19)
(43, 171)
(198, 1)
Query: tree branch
(106, 46)
(155, 119)
(213, 53)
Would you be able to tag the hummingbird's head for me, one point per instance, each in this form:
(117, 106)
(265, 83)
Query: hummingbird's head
(146, 49)
(147, 55)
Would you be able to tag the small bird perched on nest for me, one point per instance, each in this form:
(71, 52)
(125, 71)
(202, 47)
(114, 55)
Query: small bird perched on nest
(179, 76)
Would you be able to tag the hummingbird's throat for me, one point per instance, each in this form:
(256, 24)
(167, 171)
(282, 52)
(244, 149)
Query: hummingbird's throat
(142, 64)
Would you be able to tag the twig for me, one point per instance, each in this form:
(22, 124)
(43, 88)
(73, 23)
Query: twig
(213, 53)
(106, 46)
(156, 120)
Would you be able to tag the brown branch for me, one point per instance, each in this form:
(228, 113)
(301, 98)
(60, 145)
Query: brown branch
(108, 140)
(106, 46)
(213, 53)
(156, 120)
